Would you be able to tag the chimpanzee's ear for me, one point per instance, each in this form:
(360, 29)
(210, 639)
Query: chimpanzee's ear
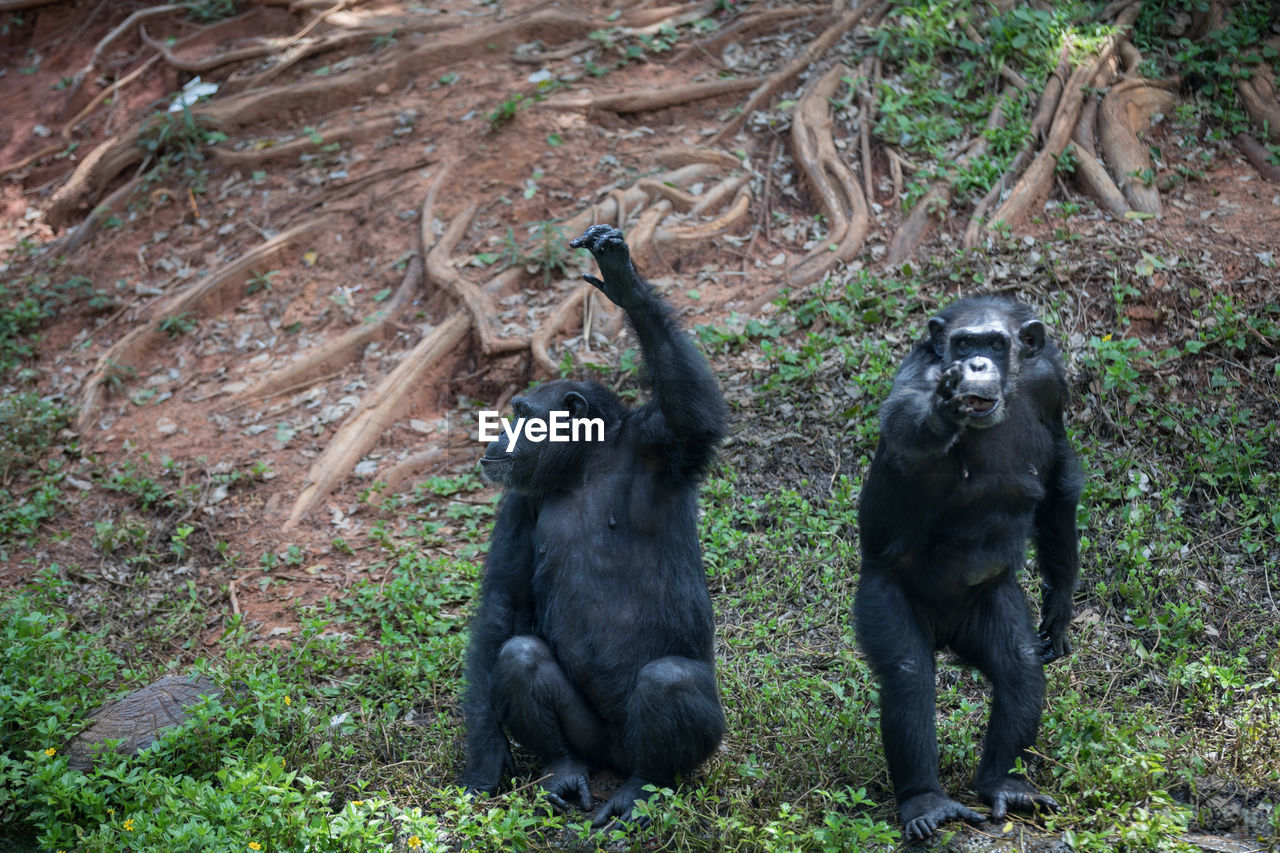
(1031, 336)
(938, 336)
(576, 404)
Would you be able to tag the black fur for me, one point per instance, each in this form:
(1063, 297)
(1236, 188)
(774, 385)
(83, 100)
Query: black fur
(973, 461)
(593, 642)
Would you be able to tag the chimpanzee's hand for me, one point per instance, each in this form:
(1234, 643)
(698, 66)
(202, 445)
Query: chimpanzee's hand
(946, 401)
(1056, 617)
(606, 245)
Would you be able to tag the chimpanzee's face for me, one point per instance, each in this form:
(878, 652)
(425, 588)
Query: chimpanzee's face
(536, 466)
(980, 360)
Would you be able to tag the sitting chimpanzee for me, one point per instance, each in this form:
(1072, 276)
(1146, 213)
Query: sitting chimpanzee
(593, 642)
(973, 460)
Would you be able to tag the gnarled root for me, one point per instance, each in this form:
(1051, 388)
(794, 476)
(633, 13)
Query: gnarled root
(645, 100)
(1045, 109)
(1032, 189)
(110, 158)
(933, 206)
(812, 52)
(1260, 103)
(1126, 112)
(204, 297)
(839, 192)
(378, 410)
(1257, 154)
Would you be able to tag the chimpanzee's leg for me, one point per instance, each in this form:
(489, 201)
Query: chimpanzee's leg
(901, 652)
(549, 716)
(998, 638)
(674, 722)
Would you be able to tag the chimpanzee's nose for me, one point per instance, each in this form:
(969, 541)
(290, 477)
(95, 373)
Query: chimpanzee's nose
(979, 365)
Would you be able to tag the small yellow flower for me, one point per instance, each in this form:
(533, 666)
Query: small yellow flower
(253, 845)
(1106, 337)
(357, 802)
(110, 812)
(414, 842)
(128, 825)
(288, 701)
(50, 751)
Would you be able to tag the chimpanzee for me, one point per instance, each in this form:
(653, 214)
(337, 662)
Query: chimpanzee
(593, 642)
(973, 460)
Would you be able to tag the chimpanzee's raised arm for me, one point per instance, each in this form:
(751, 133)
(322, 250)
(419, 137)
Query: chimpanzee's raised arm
(684, 388)
(916, 421)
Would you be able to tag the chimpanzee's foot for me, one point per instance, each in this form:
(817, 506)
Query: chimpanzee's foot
(621, 806)
(1013, 792)
(924, 813)
(567, 784)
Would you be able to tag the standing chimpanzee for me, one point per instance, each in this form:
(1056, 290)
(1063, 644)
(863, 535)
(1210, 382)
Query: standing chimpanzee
(973, 460)
(593, 642)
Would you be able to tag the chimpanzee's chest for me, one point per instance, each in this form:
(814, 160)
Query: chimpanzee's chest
(610, 554)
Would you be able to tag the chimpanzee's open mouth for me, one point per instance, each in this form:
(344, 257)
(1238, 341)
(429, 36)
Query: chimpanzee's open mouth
(978, 405)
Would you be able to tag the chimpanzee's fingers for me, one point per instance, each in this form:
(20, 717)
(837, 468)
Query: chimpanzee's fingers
(593, 281)
(591, 237)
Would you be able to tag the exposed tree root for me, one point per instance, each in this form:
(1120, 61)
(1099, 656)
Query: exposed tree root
(684, 155)
(866, 111)
(315, 363)
(411, 466)
(441, 272)
(642, 233)
(1094, 179)
(367, 126)
(1260, 103)
(378, 411)
(1090, 173)
(1256, 153)
(1045, 109)
(295, 53)
(743, 27)
(776, 81)
(208, 63)
(1032, 189)
(89, 226)
(77, 80)
(202, 298)
(1126, 112)
(646, 22)
(932, 208)
(839, 192)
(560, 317)
(106, 161)
(98, 169)
(644, 100)
(680, 237)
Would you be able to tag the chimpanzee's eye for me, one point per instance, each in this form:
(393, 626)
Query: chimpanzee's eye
(962, 346)
(997, 345)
